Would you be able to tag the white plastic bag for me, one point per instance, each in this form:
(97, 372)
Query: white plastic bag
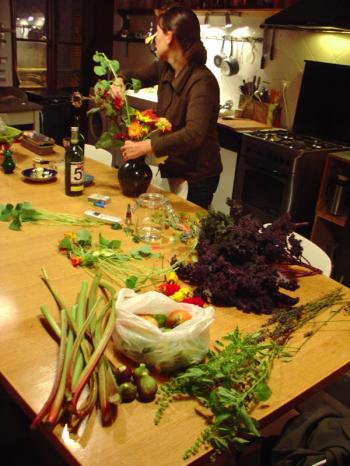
(144, 342)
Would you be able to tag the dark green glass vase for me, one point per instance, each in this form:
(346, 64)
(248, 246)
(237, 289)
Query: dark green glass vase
(134, 177)
(8, 164)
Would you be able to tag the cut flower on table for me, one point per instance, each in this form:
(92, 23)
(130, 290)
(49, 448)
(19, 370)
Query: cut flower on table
(179, 294)
(121, 267)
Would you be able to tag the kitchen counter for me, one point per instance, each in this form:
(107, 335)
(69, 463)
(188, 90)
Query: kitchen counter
(242, 124)
(147, 97)
(28, 354)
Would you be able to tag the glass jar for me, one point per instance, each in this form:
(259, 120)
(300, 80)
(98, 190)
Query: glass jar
(149, 216)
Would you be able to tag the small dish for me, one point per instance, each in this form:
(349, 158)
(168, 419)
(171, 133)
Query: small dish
(39, 176)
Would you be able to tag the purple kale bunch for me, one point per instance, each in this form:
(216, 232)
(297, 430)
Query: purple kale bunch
(242, 263)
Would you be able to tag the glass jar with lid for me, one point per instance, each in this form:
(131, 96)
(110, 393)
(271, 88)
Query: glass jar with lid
(149, 216)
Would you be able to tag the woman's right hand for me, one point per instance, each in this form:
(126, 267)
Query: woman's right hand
(135, 149)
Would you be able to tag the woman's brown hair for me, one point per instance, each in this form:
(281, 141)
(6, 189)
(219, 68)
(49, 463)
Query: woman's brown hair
(185, 26)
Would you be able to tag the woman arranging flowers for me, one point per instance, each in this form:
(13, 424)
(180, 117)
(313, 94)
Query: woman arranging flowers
(188, 96)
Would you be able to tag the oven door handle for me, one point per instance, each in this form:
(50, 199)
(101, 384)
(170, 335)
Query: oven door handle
(258, 167)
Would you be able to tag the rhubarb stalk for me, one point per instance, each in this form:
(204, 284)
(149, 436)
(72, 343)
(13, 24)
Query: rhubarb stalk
(81, 310)
(61, 357)
(95, 357)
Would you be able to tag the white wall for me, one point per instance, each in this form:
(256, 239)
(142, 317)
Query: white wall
(291, 49)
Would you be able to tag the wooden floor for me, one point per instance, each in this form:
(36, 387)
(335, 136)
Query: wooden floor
(20, 446)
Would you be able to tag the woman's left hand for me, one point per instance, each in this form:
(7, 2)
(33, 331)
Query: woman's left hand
(135, 149)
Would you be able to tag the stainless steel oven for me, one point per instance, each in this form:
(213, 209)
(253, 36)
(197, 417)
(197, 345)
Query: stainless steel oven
(280, 171)
(273, 178)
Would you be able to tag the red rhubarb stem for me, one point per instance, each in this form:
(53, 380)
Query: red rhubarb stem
(44, 410)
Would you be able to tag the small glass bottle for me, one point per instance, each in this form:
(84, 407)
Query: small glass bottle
(8, 164)
(149, 216)
(74, 165)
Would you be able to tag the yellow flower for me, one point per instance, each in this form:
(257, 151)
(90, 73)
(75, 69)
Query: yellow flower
(71, 235)
(163, 125)
(172, 277)
(181, 294)
(147, 116)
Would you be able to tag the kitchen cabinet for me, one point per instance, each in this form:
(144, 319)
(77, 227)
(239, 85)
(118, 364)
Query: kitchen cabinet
(331, 232)
(55, 41)
(6, 34)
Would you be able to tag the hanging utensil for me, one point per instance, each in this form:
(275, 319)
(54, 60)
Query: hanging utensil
(230, 65)
(218, 58)
(272, 47)
(264, 48)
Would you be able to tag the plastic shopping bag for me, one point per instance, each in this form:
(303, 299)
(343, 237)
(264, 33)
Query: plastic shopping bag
(143, 341)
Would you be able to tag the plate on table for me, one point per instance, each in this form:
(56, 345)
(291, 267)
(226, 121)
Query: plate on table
(38, 175)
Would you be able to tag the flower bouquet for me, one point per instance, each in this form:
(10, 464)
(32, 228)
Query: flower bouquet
(111, 99)
(127, 123)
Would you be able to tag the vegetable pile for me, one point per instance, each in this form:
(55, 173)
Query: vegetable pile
(84, 331)
(120, 267)
(25, 212)
(241, 263)
(85, 377)
(136, 383)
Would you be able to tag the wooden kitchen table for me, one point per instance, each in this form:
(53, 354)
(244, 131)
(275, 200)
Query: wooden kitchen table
(28, 354)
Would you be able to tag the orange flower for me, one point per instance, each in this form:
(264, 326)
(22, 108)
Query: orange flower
(136, 130)
(75, 261)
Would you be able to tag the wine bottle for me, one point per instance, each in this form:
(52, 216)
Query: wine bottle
(74, 165)
(81, 136)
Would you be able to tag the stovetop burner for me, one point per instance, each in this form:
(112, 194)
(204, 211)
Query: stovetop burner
(295, 141)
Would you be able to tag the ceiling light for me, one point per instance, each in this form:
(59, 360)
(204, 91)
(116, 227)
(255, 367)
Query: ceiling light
(228, 22)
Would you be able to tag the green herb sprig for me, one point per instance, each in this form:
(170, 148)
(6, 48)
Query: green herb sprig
(284, 322)
(25, 212)
(231, 382)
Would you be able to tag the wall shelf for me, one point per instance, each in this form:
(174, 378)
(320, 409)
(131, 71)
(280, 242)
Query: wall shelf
(214, 12)
(329, 230)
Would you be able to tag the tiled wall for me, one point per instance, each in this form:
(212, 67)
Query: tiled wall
(291, 49)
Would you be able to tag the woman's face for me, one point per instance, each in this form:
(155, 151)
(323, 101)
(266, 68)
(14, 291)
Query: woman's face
(162, 40)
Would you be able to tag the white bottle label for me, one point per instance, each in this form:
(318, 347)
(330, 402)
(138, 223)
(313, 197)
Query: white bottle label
(77, 176)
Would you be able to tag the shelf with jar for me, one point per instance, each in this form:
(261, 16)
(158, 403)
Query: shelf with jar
(333, 204)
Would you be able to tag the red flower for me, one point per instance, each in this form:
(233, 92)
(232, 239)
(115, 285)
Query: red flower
(118, 102)
(120, 136)
(194, 300)
(169, 288)
(75, 261)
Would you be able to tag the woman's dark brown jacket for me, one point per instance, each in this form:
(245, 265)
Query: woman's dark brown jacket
(191, 103)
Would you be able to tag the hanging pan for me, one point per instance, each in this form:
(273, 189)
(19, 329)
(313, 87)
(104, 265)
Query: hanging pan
(230, 65)
(218, 58)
